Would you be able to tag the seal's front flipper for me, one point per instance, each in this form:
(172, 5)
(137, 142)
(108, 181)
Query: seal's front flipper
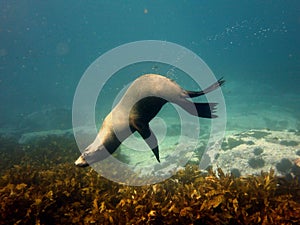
(149, 137)
(151, 140)
(156, 152)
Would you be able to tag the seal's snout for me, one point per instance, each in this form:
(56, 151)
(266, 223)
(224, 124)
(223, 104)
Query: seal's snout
(81, 162)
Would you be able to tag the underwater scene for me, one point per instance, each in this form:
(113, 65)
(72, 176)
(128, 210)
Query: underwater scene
(66, 65)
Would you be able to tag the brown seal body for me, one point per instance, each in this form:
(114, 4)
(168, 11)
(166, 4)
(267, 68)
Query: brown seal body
(140, 104)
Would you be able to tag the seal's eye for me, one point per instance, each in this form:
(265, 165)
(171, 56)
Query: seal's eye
(85, 154)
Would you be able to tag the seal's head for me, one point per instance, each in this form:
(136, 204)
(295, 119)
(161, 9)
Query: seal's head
(81, 162)
(93, 153)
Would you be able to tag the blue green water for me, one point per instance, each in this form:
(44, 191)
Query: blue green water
(45, 47)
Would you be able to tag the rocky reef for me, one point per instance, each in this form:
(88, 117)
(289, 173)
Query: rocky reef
(40, 185)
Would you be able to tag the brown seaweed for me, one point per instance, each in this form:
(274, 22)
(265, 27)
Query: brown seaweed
(44, 187)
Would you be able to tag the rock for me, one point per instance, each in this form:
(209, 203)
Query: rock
(268, 149)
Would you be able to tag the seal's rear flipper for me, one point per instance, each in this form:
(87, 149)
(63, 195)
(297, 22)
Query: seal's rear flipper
(212, 87)
(149, 137)
(204, 110)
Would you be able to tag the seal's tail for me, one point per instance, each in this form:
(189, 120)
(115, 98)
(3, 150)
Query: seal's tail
(212, 87)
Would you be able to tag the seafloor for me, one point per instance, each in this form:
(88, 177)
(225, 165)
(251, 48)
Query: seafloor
(39, 184)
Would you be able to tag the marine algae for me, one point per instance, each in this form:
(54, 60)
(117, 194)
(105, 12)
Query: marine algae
(43, 187)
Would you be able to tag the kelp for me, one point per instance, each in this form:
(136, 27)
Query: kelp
(44, 187)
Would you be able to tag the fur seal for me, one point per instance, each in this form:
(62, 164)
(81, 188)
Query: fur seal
(140, 104)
